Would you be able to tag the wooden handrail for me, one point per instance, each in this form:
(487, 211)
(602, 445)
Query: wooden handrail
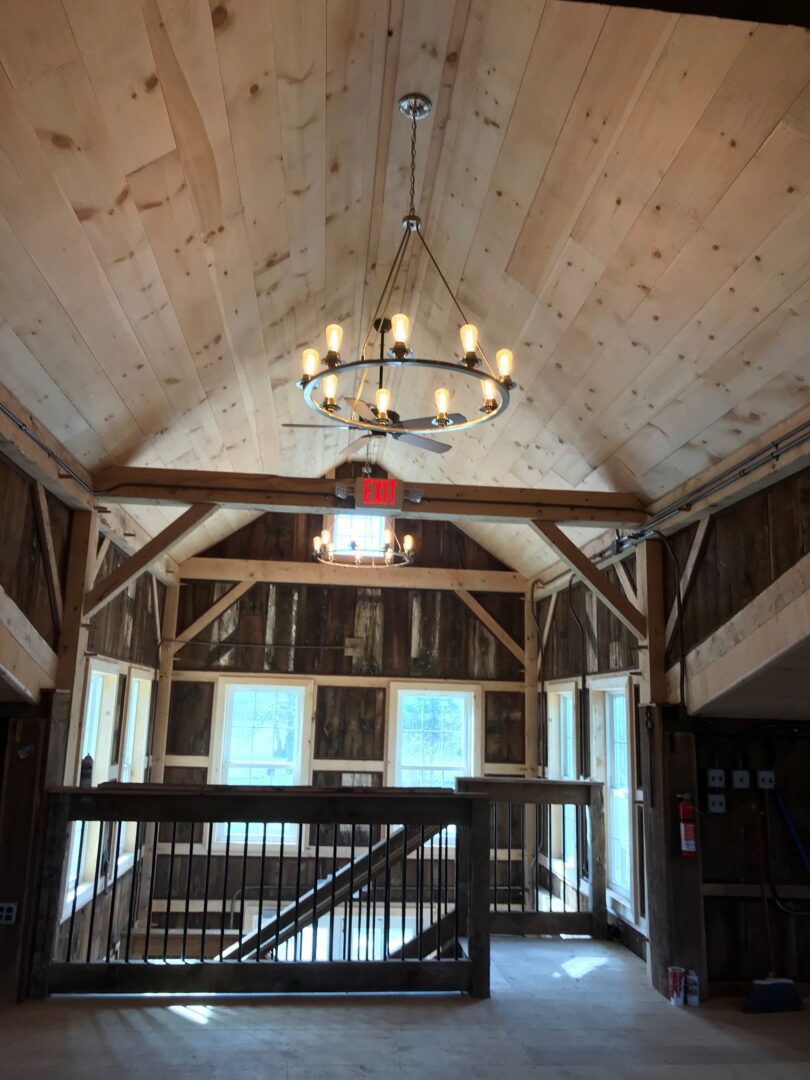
(518, 790)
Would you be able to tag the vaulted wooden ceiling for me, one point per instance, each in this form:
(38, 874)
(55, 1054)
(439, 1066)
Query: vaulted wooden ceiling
(189, 193)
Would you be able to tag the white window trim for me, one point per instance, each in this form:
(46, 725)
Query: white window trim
(392, 739)
(218, 734)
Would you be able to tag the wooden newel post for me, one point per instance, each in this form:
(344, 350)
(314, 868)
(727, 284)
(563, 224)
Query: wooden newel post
(597, 864)
(50, 885)
(478, 907)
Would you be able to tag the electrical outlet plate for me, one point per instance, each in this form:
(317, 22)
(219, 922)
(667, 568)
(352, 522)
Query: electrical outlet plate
(740, 779)
(716, 804)
(716, 778)
(8, 912)
(766, 779)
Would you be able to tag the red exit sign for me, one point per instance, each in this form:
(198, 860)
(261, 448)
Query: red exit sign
(371, 493)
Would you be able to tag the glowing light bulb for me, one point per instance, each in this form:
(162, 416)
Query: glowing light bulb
(309, 362)
(330, 549)
(382, 400)
(407, 543)
(326, 536)
(399, 328)
(389, 555)
(504, 359)
(469, 337)
(388, 538)
(330, 388)
(317, 544)
(442, 399)
(334, 336)
(489, 390)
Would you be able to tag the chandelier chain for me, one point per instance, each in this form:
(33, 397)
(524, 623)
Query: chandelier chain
(412, 208)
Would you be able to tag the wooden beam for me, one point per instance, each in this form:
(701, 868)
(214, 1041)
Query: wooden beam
(492, 625)
(695, 551)
(315, 573)
(249, 491)
(43, 519)
(779, 12)
(73, 639)
(116, 581)
(225, 601)
(156, 608)
(546, 631)
(27, 661)
(532, 703)
(595, 580)
(650, 577)
(164, 686)
(626, 583)
(101, 554)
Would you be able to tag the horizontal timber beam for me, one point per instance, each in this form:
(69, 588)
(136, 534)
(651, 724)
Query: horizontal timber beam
(594, 579)
(116, 581)
(383, 577)
(294, 495)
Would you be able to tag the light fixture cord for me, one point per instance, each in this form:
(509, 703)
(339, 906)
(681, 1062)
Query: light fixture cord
(412, 207)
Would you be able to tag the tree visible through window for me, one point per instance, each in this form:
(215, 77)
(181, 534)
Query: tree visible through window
(434, 730)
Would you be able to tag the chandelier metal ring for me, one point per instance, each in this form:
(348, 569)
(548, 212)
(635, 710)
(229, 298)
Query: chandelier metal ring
(390, 427)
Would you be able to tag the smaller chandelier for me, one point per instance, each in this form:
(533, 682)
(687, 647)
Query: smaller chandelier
(393, 553)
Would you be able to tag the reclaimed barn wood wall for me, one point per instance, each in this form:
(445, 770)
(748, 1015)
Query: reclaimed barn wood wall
(22, 562)
(748, 546)
(735, 930)
(126, 628)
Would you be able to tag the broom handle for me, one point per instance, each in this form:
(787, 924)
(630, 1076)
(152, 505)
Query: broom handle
(763, 888)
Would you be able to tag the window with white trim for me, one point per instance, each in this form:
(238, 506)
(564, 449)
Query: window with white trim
(619, 830)
(262, 744)
(359, 534)
(434, 736)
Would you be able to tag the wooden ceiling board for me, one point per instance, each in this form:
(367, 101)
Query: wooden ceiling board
(190, 191)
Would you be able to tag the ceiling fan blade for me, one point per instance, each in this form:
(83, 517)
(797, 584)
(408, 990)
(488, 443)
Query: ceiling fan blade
(426, 421)
(354, 446)
(362, 409)
(422, 443)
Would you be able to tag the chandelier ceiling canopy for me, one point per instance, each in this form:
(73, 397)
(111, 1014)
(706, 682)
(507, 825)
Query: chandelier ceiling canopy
(334, 388)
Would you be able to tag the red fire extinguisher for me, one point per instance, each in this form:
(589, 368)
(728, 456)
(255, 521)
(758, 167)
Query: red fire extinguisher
(686, 825)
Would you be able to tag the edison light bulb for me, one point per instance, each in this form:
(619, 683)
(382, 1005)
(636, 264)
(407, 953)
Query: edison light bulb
(334, 336)
(330, 388)
(389, 555)
(382, 400)
(442, 399)
(388, 538)
(407, 543)
(326, 537)
(309, 362)
(489, 390)
(399, 327)
(503, 358)
(330, 547)
(317, 543)
(469, 337)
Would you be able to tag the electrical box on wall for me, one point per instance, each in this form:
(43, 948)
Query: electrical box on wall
(740, 779)
(766, 779)
(8, 912)
(716, 804)
(716, 778)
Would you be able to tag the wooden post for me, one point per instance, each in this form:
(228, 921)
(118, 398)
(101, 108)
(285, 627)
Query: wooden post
(478, 937)
(164, 686)
(650, 581)
(531, 714)
(49, 893)
(597, 864)
(73, 639)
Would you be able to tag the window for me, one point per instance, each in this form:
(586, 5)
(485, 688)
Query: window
(618, 785)
(132, 768)
(262, 744)
(568, 743)
(434, 737)
(364, 531)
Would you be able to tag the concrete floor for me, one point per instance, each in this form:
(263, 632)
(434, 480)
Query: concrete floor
(559, 1009)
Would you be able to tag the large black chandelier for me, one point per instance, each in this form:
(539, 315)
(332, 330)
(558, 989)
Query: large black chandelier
(323, 378)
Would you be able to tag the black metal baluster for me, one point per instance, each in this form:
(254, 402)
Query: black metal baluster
(334, 886)
(439, 892)
(456, 895)
(152, 878)
(430, 891)
(368, 892)
(562, 887)
(420, 884)
(387, 912)
(404, 884)
(206, 888)
(111, 919)
(101, 825)
(137, 870)
(244, 883)
(296, 943)
(522, 857)
(169, 893)
(509, 857)
(278, 893)
(351, 894)
(315, 892)
(261, 892)
(550, 860)
(224, 890)
(579, 833)
(496, 808)
(75, 892)
(537, 845)
(188, 888)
